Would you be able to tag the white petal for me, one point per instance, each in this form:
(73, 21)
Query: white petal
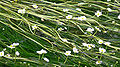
(17, 53)
(47, 60)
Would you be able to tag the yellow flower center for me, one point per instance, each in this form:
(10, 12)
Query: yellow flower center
(102, 50)
(1, 54)
(82, 18)
(89, 45)
(69, 17)
(98, 14)
(101, 42)
(67, 53)
(35, 27)
(40, 52)
(98, 61)
(60, 28)
(11, 45)
(79, 62)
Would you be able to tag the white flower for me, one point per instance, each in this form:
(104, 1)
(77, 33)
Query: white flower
(34, 27)
(15, 44)
(65, 10)
(90, 30)
(109, 9)
(102, 50)
(67, 53)
(60, 29)
(107, 43)
(78, 9)
(90, 46)
(118, 16)
(1, 53)
(24, 62)
(85, 44)
(85, 33)
(35, 6)
(3, 28)
(98, 13)
(108, 0)
(75, 50)
(44, 51)
(4, 49)
(82, 18)
(47, 60)
(22, 11)
(113, 22)
(11, 46)
(42, 19)
(111, 65)
(100, 41)
(98, 62)
(98, 29)
(64, 40)
(65, 28)
(81, 3)
(41, 51)
(69, 17)
(7, 55)
(17, 53)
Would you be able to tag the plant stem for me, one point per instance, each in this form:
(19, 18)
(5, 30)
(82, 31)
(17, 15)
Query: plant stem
(39, 56)
(65, 59)
(42, 56)
(15, 57)
(101, 56)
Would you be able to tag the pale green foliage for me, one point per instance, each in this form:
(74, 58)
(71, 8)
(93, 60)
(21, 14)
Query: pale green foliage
(46, 19)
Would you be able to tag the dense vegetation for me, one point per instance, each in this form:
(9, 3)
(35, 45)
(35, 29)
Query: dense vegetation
(74, 33)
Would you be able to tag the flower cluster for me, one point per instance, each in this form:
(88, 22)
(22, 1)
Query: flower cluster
(42, 51)
(89, 46)
(11, 46)
(102, 42)
(22, 11)
(65, 10)
(75, 50)
(90, 30)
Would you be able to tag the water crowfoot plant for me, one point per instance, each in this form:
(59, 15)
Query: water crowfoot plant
(35, 6)
(22, 11)
(67, 53)
(89, 29)
(100, 41)
(1, 53)
(98, 13)
(98, 62)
